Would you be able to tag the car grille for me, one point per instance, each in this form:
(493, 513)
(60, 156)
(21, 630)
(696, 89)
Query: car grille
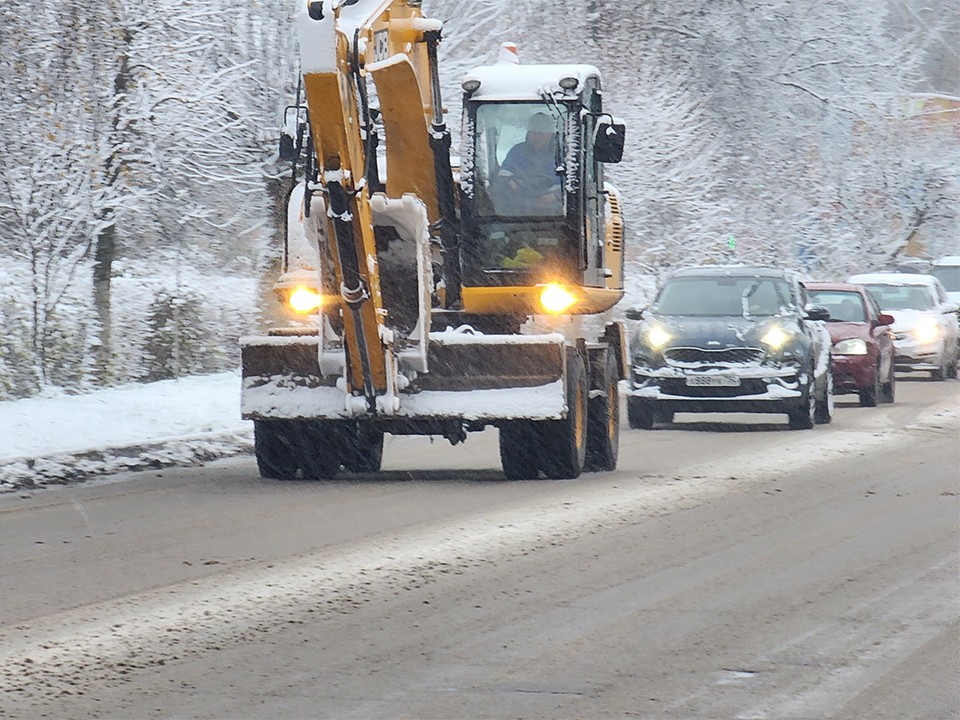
(726, 356)
(749, 386)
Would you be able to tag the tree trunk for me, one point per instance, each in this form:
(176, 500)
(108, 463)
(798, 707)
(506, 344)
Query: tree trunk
(102, 269)
(106, 248)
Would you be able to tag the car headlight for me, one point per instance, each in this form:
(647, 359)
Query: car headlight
(927, 331)
(657, 337)
(775, 338)
(852, 346)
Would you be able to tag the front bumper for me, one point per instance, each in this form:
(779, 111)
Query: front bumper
(852, 373)
(754, 388)
(913, 355)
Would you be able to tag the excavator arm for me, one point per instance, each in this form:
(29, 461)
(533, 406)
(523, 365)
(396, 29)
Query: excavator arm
(343, 45)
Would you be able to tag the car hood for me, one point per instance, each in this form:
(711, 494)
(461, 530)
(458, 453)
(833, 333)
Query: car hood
(715, 333)
(906, 320)
(846, 330)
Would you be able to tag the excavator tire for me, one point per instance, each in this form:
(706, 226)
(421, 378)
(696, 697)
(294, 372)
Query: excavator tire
(276, 448)
(361, 448)
(520, 450)
(564, 447)
(320, 449)
(603, 421)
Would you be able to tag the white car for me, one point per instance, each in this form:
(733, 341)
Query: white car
(947, 271)
(925, 328)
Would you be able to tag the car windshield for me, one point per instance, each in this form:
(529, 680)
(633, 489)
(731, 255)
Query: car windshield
(723, 297)
(844, 305)
(902, 297)
(949, 275)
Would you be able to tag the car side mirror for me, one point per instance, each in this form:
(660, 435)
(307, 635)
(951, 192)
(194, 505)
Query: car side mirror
(609, 140)
(949, 308)
(816, 312)
(884, 319)
(635, 313)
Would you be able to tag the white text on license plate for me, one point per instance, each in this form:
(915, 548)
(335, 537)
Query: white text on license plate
(712, 381)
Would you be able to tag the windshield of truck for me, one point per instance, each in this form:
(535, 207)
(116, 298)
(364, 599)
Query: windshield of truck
(518, 158)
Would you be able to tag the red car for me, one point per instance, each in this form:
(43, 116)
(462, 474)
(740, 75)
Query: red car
(863, 353)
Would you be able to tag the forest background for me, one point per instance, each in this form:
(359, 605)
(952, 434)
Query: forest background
(142, 199)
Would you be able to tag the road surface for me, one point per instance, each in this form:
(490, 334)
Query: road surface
(729, 568)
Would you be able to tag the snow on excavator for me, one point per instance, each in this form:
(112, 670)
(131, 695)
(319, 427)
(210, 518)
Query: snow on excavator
(418, 284)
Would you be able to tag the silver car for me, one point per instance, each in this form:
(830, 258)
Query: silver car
(925, 328)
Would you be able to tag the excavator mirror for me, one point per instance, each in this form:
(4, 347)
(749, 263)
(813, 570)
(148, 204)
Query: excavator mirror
(609, 140)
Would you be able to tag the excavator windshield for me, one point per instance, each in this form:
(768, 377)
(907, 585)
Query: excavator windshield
(518, 155)
(520, 234)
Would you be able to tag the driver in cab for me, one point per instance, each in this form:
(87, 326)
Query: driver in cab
(529, 171)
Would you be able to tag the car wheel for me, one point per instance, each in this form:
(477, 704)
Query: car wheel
(869, 395)
(603, 421)
(952, 367)
(640, 414)
(823, 412)
(943, 372)
(889, 390)
(276, 447)
(803, 415)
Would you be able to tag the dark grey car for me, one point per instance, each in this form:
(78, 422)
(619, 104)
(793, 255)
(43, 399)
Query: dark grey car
(730, 339)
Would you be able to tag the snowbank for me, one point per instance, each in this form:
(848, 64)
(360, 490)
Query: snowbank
(56, 439)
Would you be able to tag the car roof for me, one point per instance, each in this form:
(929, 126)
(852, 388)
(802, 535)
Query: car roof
(731, 271)
(847, 287)
(947, 261)
(893, 279)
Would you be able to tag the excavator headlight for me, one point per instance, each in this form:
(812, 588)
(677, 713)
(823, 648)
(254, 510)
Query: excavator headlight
(471, 85)
(556, 299)
(304, 300)
(569, 82)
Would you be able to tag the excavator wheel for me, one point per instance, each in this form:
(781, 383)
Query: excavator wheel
(276, 446)
(320, 449)
(603, 421)
(564, 447)
(361, 448)
(520, 449)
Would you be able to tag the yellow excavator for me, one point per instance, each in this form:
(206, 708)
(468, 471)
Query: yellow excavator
(436, 295)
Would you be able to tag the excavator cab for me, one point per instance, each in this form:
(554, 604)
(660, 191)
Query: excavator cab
(535, 210)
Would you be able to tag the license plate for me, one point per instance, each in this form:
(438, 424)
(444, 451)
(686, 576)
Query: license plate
(712, 381)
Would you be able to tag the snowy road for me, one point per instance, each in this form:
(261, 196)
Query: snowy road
(724, 571)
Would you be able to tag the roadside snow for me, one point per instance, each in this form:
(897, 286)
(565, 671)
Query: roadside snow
(56, 439)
